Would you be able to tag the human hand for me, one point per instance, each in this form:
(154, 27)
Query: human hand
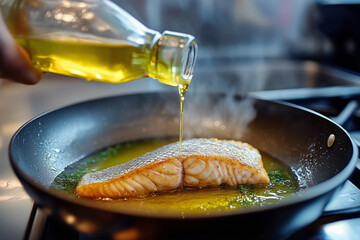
(15, 63)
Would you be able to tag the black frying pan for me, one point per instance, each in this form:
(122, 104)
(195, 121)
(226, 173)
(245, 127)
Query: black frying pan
(44, 146)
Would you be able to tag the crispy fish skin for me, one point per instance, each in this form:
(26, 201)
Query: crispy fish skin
(203, 163)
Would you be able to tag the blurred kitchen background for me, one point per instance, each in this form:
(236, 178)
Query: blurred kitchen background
(236, 29)
(274, 49)
(244, 43)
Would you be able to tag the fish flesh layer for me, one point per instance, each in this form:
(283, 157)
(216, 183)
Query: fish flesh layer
(202, 163)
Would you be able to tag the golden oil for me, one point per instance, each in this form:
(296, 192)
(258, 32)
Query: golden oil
(182, 91)
(183, 201)
(111, 62)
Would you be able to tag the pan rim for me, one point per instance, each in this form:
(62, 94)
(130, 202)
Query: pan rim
(307, 194)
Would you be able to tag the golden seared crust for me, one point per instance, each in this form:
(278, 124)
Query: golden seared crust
(203, 162)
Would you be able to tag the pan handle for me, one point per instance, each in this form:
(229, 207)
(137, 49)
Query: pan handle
(316, 228)
(333, 214)
(341, 214)
(352, 211)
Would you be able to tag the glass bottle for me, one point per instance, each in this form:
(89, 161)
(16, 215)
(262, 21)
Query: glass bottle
(97, 40)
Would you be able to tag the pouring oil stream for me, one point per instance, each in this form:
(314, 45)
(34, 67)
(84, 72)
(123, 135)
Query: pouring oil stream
(182, 91)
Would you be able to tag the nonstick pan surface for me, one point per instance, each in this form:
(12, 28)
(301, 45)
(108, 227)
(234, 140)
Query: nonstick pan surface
(45, 145)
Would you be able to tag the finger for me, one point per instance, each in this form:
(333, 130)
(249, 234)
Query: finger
(15, 63)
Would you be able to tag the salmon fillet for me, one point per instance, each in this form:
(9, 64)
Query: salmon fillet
(203, 163)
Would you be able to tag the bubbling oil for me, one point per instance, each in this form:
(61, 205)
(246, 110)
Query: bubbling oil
(185, 201)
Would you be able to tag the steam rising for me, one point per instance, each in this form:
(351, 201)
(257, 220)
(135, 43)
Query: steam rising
(224, 117)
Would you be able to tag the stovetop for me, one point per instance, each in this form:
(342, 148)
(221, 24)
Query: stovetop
(339, 99)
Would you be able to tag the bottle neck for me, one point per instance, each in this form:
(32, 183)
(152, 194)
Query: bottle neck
(173, 58)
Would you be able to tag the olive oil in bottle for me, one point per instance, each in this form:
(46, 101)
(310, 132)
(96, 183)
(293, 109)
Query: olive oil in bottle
(91, 59)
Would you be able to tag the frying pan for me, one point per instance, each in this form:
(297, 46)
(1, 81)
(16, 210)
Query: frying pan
(44, 146)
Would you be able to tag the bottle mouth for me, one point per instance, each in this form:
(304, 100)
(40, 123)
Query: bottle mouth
(176, 58)
(189, 61)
